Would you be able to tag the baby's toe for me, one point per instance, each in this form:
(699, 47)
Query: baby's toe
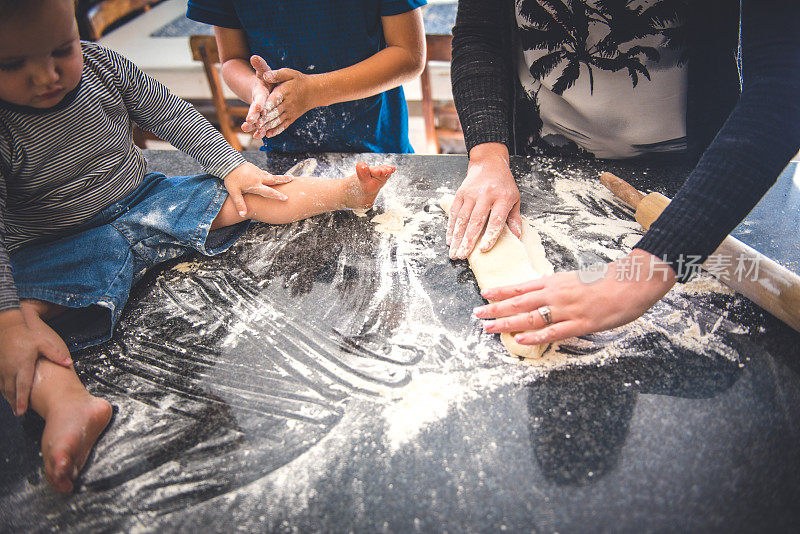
(384, 171)
(363, 170)
(58, 471)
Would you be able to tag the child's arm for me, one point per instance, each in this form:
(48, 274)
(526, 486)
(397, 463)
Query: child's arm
(294, 93)
(244, 74)
(153, 107)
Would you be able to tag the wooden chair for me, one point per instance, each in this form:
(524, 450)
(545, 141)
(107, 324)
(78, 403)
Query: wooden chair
(204, 48)
(103, 15)
(441, 118)
(106, 14)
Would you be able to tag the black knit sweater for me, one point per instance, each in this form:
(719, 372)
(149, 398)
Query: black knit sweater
(741, 139)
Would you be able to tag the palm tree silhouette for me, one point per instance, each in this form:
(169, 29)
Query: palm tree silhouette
(561, 27)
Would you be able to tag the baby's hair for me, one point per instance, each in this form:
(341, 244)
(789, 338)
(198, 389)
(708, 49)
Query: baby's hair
(9, 8)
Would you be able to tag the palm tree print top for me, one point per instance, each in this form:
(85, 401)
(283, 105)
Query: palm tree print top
(606, 75)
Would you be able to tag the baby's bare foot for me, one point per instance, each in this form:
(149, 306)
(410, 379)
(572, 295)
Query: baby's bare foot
(71, 430)
(367, 182)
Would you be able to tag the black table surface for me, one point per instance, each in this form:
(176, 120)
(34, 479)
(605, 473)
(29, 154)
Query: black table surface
(323, 376)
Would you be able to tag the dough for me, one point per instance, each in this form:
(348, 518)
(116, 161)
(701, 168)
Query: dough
(389, 221)
(510, 261)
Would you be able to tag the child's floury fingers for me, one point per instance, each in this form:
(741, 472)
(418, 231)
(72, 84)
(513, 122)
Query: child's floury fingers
(268, 192)
(258, 63)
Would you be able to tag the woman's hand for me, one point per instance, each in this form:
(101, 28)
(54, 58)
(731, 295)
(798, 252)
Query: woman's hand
(577, 306)
(488, 192)
(293, 94)
(259, 112)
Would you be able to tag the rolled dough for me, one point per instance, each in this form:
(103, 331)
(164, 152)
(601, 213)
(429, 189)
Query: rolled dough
(510, 261)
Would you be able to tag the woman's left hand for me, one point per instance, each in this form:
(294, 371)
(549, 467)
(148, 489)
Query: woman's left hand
(293, 94)
(577, 306)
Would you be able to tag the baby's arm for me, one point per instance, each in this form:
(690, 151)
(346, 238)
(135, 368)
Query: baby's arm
(153, 107)
(20, 347)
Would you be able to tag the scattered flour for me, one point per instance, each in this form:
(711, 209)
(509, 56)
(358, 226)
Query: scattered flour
(455, 368)
(425, 400)
(703, 284)
(477, 364)
(187, 267)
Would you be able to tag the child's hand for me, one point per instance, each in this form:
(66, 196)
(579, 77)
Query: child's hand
(247, 178)
(256, 120)
(20, 347)
(292, 95)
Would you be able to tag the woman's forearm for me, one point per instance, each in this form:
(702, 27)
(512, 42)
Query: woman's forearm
(751, 149)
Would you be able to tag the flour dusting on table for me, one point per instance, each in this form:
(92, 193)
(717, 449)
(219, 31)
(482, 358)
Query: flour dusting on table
(267, 371)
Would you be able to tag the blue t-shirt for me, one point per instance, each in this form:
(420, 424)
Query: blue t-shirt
(316, 36)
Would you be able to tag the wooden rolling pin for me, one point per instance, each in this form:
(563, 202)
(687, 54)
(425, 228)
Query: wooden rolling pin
(769, 284)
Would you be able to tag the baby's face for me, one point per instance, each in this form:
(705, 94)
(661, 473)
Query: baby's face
(40, 54)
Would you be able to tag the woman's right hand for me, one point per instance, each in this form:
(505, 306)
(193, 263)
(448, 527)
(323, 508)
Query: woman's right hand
(260, 114)
(488, 192)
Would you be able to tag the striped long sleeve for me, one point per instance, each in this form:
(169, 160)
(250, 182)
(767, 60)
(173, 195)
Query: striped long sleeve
(174, 120)
(8, 291)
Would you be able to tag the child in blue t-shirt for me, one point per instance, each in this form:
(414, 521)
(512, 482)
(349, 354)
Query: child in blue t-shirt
(320, 75)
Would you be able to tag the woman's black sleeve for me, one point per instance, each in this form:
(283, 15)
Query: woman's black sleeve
(759, 138)
(480, 72)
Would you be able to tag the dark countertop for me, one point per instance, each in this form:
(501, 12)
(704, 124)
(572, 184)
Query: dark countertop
(323, 376)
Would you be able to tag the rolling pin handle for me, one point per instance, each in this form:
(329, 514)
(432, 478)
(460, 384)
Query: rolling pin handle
(622, 189)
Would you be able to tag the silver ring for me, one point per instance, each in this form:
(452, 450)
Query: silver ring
(544, 311)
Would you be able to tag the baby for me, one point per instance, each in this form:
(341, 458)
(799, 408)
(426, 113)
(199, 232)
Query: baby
(81, 220)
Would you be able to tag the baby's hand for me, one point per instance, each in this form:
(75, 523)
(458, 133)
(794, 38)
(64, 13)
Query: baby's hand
(20, 347)
(247, 178)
